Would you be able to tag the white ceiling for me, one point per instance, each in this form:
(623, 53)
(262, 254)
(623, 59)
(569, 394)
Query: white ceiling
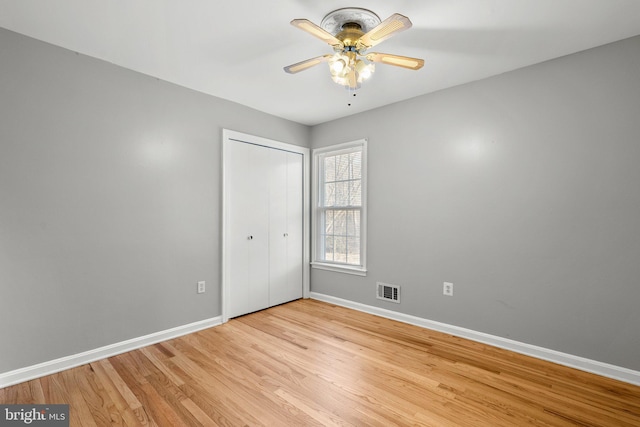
(236, 49)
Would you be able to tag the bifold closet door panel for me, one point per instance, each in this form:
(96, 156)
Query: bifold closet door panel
(277, 225)
(285, 212)
(295, 224)
(248, 217)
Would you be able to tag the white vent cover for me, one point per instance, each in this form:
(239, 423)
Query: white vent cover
(388, 292)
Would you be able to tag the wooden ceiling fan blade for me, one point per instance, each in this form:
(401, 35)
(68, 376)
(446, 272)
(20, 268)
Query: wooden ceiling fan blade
(303, 65)
(387, 28)
(316, 31)
(397, 60)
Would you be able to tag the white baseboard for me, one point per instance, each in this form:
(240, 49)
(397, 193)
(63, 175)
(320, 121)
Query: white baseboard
(588, 365)
(67, 362)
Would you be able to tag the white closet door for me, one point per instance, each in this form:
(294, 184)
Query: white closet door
(286, 227)
(277, 226)
(248, 217)
(295, 225)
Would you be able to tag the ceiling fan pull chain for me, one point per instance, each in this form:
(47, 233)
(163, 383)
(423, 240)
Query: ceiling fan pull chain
(351, 95)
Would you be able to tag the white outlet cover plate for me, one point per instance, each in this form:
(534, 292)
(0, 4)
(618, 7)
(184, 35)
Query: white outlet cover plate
(447, 288)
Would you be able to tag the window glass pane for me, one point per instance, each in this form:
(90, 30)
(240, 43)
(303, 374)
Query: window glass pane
(329, 169)
(355, 159)
(340, 249)
(342, 193)
(342, 167)
(355, 193)
(329, 194)
(328, 222)
(342, 180)
(353, 247)
(328, 248)
(340, 223)
(353, 223)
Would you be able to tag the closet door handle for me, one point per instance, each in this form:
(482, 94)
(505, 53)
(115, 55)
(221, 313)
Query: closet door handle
(286, 234)
(250, 238)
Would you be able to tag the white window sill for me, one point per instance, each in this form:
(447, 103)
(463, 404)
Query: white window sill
(339, 268)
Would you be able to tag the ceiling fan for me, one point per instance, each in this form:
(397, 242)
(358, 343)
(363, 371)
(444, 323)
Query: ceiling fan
(351, 32)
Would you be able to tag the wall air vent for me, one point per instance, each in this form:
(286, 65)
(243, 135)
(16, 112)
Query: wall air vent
(388, 292)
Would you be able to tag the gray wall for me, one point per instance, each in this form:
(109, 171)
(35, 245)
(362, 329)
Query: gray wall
(110, 187)
(524, 191)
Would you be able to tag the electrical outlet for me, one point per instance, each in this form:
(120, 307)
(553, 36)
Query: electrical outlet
(447, 289)
(201, 287)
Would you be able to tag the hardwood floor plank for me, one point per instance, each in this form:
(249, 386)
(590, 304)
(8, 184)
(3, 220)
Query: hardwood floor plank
(152, 356)
(24, 393)
(198, 413)
(78, 407)
(119, 408)
(122, 387)
(94, 395)
(315, 364)
(126, 369)
(314, 411)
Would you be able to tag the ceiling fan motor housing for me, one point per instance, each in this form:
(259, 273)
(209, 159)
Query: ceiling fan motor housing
(351, 32)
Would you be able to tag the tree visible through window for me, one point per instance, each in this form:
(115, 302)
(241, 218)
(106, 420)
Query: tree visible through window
(339, 210)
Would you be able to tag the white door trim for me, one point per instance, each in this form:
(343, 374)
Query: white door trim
(231, 135)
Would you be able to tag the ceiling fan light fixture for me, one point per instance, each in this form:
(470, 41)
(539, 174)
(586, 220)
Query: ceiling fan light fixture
(341, 80)
(351, 32)
(364, 70)
(352, 76)
(338, 65)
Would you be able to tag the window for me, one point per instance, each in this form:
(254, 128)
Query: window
(339, 214)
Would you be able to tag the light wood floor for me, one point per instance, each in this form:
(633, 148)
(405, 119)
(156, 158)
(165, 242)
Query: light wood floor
(311, 363)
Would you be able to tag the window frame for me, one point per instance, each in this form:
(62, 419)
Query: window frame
(317, 155)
